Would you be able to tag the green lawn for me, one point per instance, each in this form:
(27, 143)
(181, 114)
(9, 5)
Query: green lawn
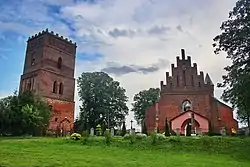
(57, 152)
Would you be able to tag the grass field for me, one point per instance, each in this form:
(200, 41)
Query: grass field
(56, 152)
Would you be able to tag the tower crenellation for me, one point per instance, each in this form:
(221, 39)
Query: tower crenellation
(37, 35)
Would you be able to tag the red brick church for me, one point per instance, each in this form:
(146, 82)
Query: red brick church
(188, 104)
(49, 69)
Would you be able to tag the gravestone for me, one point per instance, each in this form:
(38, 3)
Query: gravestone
(223, 131)
(178, 131)
(112, 132)
(92, 132)
(247, 132)
(132, 131)
(199, 131)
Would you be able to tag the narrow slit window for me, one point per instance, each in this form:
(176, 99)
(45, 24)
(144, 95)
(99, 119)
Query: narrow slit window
(184, 78)
(177, 80)
(59, 63)
(192, 80)
(61, 89)
(55, 87)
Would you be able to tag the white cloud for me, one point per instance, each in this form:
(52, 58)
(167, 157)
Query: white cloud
(189, 24)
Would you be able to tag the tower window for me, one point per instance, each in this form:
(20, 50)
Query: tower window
(61, 88)
(55, 87)
(59, 63)
(199, 84)
(33, 61)
(56, 119)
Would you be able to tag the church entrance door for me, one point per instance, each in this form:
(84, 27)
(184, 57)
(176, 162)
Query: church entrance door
(188, 130)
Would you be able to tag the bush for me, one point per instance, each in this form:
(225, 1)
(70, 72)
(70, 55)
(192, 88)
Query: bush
(75, 136)
(140, 136)
(160, 136)
(153, 137)
(126, 136)
(108, 137)
(174, 138)
(131, 138)
(85, 137)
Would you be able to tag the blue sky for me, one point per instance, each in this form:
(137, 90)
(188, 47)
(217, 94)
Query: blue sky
(134, 40)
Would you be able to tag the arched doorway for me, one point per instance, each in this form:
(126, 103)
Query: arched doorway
(187, 126)
(64, 126)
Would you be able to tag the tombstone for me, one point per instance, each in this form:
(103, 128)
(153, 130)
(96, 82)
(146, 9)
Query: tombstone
(178, 131)
(112, 132)
(223, 131)
(199, 131)
(155, 130)
(247, 132)
(132, 131)
(92, 132)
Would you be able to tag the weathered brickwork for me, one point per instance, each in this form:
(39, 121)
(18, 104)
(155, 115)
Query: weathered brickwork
(186, 84)
(49, 71)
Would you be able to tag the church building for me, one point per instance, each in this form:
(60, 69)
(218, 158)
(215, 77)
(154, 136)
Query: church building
(188, 104)
(49, 69)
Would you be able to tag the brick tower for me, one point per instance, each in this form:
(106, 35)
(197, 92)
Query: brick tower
(49, 71)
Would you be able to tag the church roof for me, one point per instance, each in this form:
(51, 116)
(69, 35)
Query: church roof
(187, 112)
(218, 101)
(208, 80)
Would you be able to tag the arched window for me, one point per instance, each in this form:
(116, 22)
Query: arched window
(59, 63)
(55, 87)
(61, 88)
(186, 104)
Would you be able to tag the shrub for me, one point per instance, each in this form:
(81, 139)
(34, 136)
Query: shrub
(174, 139)
(126, 136)
(140, 136)
(108, 137)
(130, 137)
(75, 136)
(85, 137)
(153, 137)
(160, 136)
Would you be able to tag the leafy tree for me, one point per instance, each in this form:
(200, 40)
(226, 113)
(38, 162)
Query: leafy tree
(167, 133)
(142, 101)
(235, 41)
(103, 99)
(23, 114)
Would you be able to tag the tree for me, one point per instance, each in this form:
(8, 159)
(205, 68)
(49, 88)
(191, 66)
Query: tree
(235, 41)
(103, 99)
(167, 133)
(24, 114)
(142, 101)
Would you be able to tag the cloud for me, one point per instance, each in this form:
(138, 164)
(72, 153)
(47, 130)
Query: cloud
(119, 70)
(121, 33)
(159, 30)
(136, 35)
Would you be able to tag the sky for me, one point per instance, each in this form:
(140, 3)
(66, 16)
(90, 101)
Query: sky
(134, 41)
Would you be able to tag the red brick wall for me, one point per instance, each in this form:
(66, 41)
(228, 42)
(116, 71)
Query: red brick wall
(60, 111)
(170, 107)
(226, 116)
